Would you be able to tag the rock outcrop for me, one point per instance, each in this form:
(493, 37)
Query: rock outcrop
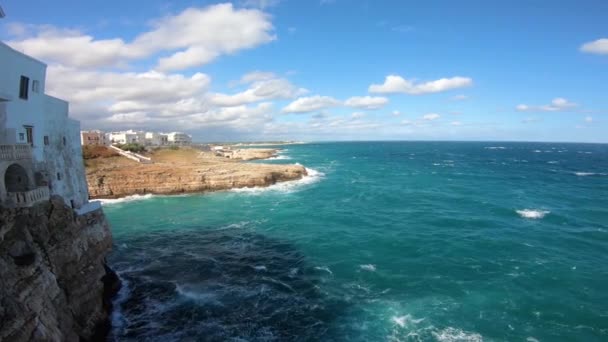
(54, 284)
(113, 181)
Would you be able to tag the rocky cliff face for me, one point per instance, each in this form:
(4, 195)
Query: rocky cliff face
(54, 284)
(113, 182)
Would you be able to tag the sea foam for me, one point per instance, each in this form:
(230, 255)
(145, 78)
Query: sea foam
(368, 267)
(450, 334)
(532, 213)
(286, 187)
(131, 198)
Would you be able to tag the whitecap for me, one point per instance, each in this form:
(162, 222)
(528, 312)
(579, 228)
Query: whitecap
(532, 213)
(201, 297)
(260, 268)
(552, 162)
(368, 267)
(324, 268)
(450, 334)
(285, 187)
(131, 198)
(582, 174)
(495, 148)
(404, 321)
(280, 157)
(537, 151)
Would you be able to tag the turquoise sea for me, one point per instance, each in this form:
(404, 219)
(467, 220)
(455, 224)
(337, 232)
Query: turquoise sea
(383, 241)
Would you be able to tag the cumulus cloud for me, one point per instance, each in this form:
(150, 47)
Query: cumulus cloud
(558, 104)
(191, 38)
(431, 116)
(264, 87)
(366, 102)
(396, 84)
(310, 104)
(599, 47)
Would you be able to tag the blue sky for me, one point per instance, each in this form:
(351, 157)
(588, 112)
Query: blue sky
(326, 70)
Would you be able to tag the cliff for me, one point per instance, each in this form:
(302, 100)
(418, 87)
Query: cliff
(54, 283)
(182, 171)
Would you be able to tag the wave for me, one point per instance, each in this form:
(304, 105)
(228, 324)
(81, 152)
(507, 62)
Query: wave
(532, 213)
(125, 199)
(404, 321)
(324, 268)
(285, 187)
(280, 157)
(368, 267)
(450, 334)
(582, 174)
(495, 148)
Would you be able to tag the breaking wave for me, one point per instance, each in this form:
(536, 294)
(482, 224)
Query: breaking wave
(313, 176)
(110, 201)
(532, 213)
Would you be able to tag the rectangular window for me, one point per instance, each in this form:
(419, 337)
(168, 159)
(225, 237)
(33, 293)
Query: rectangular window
(58, 176)
(29, 134)
(36, 86)
(21, 136)
(24, 87)
(46, 140)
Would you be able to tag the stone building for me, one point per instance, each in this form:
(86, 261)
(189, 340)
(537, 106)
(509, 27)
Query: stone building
(93, 137)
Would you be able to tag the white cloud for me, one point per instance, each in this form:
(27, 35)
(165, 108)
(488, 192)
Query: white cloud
(397, 84)
(366, 102)
(191, 38)
(588, 119)
(530, 120)
(310, 104)
(396, 113)
(456, 123)
(406, 123)
(599, 47)
(431, 116)
(256, 76)
(357, 115)
(557, 104)
(261, 3)
(263, 89)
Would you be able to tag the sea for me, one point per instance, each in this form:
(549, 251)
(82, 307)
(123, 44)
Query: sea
(382, 241)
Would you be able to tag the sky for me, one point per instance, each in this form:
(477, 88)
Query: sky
(325, 70)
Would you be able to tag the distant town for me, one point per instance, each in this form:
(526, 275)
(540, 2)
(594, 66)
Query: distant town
(101, 138)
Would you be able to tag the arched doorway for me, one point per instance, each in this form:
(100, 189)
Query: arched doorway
(15, 179)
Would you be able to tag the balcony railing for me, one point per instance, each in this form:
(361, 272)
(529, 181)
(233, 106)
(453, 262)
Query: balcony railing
(15, 152)
(29, 198)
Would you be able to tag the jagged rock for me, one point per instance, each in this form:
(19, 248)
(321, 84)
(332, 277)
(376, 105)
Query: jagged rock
(52, 263)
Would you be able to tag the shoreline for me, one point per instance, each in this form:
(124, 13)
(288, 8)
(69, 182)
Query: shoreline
(187, 171)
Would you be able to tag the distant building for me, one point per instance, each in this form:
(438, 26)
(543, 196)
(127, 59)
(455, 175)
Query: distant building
(127, 137)
(156, 139)
(179, 138)
(40, 153)
(94, 137)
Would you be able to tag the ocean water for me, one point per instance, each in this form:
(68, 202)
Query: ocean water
(383, 241)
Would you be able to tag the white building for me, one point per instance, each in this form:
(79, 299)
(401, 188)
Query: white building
(179, 138)
(127, 137)
(156, 139)
(40, 151)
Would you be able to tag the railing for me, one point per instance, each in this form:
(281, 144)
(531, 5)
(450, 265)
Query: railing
(133, 156)
(29, 198)
(15, 152)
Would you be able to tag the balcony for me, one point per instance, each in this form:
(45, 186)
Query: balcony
(28, 198)
(15, 152)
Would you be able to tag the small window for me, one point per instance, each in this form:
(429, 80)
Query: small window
(24, 87)
(58, 176)
(36, 86)
(29, 134)
(46, 140)
(21, 136)
(64, 141)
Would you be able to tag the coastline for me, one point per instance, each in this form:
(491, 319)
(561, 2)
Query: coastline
(187, 171)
